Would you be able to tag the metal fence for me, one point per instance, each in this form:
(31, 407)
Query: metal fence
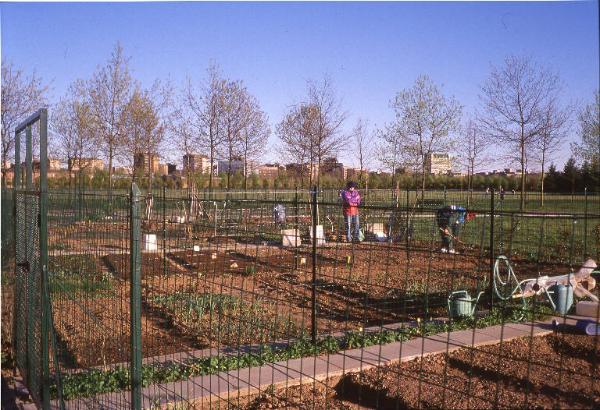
(178, 300)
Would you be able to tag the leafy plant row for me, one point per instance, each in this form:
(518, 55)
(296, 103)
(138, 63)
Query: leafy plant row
(99, 381)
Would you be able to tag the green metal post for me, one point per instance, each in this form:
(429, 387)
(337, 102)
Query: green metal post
(43, 237)
(164, 215)
(314, 266)
(492, 256)
(17, 324)
(136, 299)
(585, 220)
(31, 318)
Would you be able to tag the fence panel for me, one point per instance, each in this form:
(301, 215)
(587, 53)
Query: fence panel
(265, 303)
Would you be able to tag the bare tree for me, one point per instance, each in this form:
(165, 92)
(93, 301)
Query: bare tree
(255, 134)
(312, 130)
(324, 107)
(205, 109)
(474, 146)
(110, 91)
(389, 148)
(233, 117)
(72, 121)
(425, 120)
(294, 133)
(21, 96)
(589, 128)
(552, 134)
(515, 97)
(145, 130)
(363, 142)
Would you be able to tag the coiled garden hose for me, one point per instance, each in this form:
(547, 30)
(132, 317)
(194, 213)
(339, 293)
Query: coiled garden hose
(509, 278)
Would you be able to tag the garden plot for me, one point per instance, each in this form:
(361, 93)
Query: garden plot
(87, 235)
(152, 264)
(213, 262)
(563, 373)
(94, 330)
(91, 314)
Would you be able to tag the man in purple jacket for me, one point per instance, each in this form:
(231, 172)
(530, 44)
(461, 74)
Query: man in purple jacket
(350, 203)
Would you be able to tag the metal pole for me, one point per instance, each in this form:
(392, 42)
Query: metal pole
(492, 256)
(585, 222)
(314, 265)
(17, 302)
(43, 238)
(135, 300)
(31, 319)
(164, 215)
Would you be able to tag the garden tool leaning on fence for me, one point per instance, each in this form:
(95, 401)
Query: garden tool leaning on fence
(559, 290)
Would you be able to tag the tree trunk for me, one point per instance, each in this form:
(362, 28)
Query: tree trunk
(423, 181)
(245, 174)
(522, 204)
(542, 182)
(110, 172)
(210, 171)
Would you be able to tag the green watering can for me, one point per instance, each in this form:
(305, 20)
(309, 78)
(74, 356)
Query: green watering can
(461, 304)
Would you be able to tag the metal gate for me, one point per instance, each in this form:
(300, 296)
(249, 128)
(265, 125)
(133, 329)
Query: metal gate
(32, 319)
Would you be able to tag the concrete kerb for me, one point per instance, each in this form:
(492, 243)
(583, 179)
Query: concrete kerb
(249, 381)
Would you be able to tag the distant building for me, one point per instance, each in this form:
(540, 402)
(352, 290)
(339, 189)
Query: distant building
(506, 172)
(122, 170)
(237, 165)
(270, 170)
(438, 163)
(146, 163)
(87, 164)
(54, 164)
(172, 169)
(163, 169)
(330, 166)
(198, 163)
(297, 170)
(354, 173)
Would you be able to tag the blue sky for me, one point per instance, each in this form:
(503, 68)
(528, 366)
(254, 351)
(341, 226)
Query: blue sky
(370, 50)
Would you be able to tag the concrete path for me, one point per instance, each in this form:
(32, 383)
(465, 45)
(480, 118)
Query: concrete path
(238, 383)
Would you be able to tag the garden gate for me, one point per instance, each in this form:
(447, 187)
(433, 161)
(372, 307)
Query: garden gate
(31, 311)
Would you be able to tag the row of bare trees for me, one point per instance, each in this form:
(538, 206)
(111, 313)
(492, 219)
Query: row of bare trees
(521, 118)
(111, 115)
(223, 119)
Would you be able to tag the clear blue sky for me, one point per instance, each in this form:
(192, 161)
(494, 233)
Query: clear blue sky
(370, 50)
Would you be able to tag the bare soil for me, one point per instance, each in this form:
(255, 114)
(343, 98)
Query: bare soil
(554, 371)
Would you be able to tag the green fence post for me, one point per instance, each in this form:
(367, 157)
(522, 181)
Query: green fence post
(17, 324)
(164, 232)
(585, 218)
(314, 266)
(492, 256)
(136, 299)
(31, 318)
(43, 238)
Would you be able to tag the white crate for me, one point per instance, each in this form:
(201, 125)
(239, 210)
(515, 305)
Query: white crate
(291, 237)
(149, 242)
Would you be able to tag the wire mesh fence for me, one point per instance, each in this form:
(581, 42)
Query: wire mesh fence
(263, 302)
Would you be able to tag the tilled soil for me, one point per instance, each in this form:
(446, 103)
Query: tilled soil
(95, 331)
(357, 285)
(554, 371)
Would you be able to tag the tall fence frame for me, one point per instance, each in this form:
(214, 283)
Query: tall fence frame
(167, 273)
(31, 261)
